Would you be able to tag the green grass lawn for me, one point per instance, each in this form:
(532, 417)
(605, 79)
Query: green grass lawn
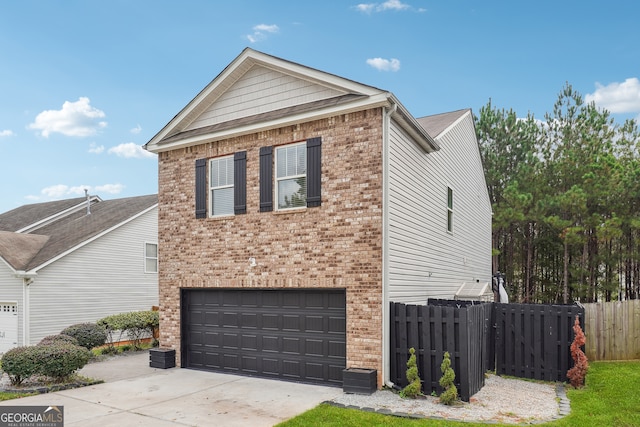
(610, 398)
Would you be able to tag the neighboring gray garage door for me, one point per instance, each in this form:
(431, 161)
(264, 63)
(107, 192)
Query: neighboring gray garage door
(297, 335)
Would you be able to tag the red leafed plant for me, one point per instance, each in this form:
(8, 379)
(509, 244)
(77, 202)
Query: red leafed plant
(580, 365)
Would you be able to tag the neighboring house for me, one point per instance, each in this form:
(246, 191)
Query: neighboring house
(295, 205)
(74, 261)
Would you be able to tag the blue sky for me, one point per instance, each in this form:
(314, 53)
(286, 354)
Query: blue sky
(84, 84)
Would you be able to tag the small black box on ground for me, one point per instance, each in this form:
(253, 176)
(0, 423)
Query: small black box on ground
(163, 358)
(359, 381)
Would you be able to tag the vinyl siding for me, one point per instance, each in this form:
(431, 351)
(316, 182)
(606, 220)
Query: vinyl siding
(101, 278)
(11, 291)
(261, 90)
(426, 261)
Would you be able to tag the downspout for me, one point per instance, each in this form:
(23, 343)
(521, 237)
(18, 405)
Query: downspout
(27, 279)
(386, 124)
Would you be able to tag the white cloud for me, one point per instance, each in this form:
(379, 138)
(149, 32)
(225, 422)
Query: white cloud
(130, 150)
(260, 32)
(96, 149)
(136, 130)
(617, 97)
(108, 188)
(74, 119)
(384, 64)
(6, 133)
(381, 7)
(61, 191)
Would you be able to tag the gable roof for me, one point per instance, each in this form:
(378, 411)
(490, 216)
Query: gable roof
(54, 232)
(438, 123)
(311, 95)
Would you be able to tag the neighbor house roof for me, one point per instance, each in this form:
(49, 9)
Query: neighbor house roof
(53, 228)
(438, 123)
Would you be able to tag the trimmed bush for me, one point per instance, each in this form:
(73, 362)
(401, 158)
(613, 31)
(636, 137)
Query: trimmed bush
(57, 339)
(19, 363)
(89, 335)
(60, 360)
(450, 394)
(136, 324)
(412, 389)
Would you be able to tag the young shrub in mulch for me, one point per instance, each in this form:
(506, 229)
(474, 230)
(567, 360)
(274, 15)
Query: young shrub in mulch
(57, 339)
(578, 373)
(89, 335)
(450, 394)
(412, 390)
(20, 363)
(59, 360)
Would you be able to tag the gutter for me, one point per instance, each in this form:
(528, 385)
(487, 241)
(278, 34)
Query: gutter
(386, 122)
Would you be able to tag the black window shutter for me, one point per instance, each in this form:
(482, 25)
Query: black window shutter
(240, 183)
(266, 179)
(314, 174)
(201, 188)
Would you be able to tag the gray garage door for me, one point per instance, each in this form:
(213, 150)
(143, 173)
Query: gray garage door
(296, 335)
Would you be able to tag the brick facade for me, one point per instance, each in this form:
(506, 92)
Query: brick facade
(337, 245)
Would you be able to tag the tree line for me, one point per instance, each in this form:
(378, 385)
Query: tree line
(565, 193)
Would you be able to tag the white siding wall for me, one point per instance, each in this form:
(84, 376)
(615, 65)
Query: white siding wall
(102, 278)
(261, 90)
(425, 261)
(11, 291)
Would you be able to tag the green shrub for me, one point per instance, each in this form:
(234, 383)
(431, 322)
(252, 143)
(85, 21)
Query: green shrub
(60, 360)
(136, 324)
(19, 363)
(413, 388)
(450, 393)
(89, 335)
(55, 339)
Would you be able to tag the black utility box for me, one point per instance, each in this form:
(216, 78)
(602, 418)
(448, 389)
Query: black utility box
(359, 381)
(163, 358)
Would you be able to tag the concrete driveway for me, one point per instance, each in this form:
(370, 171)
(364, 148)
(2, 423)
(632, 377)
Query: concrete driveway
(136, 395)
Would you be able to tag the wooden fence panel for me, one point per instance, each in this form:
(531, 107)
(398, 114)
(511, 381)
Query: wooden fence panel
(612, 330)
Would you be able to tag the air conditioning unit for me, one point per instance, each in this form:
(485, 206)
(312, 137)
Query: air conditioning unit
(475, 291)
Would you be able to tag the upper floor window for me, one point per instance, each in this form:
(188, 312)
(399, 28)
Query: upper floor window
(291, 176)
(221, 186)
(150, 257)
(449, 210)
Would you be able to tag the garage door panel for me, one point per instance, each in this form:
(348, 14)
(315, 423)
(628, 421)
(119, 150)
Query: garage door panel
(294, 335)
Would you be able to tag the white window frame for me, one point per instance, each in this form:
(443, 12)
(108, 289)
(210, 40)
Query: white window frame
(449, 210)
(147, 257)
(230, 161)
(278, 152)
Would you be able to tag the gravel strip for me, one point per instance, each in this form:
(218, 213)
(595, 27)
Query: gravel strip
(503, 400)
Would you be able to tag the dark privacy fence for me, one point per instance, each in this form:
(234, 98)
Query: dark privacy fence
(533, 340)
(522, 340)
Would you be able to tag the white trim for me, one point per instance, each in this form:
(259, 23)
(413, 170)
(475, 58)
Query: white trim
(211, 188)
(86, 242)
(145, 257)
(373, 102)
(386, 341)
(287, 177)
